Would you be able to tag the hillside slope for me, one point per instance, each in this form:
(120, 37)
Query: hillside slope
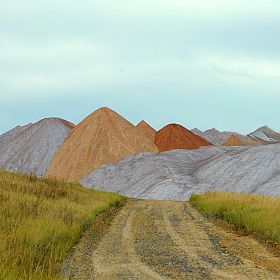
(103, 136)
(148, 131)
(266, 133)
(11, 134)
(31, 150)
(177, 174)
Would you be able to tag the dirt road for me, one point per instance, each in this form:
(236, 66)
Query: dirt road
(169, 240)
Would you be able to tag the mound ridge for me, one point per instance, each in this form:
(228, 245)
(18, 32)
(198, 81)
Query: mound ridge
(32, 147)
(102, 137)
(175, 136)
(266, 133)
(177, 174)
(233, 141)
(148, 131)
(11, 134)
(217, 137)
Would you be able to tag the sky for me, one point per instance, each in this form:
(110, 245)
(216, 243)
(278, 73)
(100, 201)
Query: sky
(203, 64)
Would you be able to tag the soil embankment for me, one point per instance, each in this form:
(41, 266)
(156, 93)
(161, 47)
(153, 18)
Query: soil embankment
(102, 137)
(170, 240)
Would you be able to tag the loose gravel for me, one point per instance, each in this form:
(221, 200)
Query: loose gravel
(167, 240)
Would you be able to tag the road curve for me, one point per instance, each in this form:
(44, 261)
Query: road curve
(171, 240)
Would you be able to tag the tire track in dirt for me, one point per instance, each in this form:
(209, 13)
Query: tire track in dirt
(171, 240)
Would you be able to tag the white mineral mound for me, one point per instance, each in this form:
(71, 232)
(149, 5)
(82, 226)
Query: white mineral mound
(11, 134)
(217, 137)
(177, 174)
(31, 149)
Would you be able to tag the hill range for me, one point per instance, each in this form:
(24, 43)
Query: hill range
(107, 152)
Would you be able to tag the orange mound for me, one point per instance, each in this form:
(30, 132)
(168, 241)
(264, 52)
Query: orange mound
(175, 136)
(233, 141)
(102, 137)
(148, 131)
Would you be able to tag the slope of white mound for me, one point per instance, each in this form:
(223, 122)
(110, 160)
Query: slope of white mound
(177, 174)
(31, 150)
(252, 170)
(11, 134)
(164, 176)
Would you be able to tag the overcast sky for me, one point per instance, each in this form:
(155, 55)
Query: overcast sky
(198, 63)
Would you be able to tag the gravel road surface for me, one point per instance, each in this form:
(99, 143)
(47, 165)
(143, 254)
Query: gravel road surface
(168, 240)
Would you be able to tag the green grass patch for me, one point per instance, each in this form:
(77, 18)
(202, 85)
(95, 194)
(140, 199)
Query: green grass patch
(258, 214)
(41, 220)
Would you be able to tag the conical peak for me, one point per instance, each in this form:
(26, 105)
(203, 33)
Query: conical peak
(148, 131)
(266, 128)
(175, 136)
(196, 129)
(105, 112)
(266, 133)
(102, 137)
(233, 140)
(212, 130)
(173, 126)
(110, 120)
(103, 117)
(144, 124)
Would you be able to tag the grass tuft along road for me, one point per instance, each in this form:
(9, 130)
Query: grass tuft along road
(256, 214)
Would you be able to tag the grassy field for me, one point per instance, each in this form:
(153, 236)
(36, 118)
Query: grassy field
(256, 214)
(41, 220)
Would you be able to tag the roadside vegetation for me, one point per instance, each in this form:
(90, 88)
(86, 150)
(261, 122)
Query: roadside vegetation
(41, 220)
(256, 214)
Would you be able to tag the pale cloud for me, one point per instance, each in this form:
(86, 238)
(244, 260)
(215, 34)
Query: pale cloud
(257, 69)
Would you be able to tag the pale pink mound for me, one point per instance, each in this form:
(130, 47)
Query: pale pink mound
(102, 137)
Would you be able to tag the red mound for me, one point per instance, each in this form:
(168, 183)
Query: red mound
(175, 136)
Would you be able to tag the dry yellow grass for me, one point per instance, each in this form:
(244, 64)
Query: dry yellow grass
(258, 214)
(41, 220)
